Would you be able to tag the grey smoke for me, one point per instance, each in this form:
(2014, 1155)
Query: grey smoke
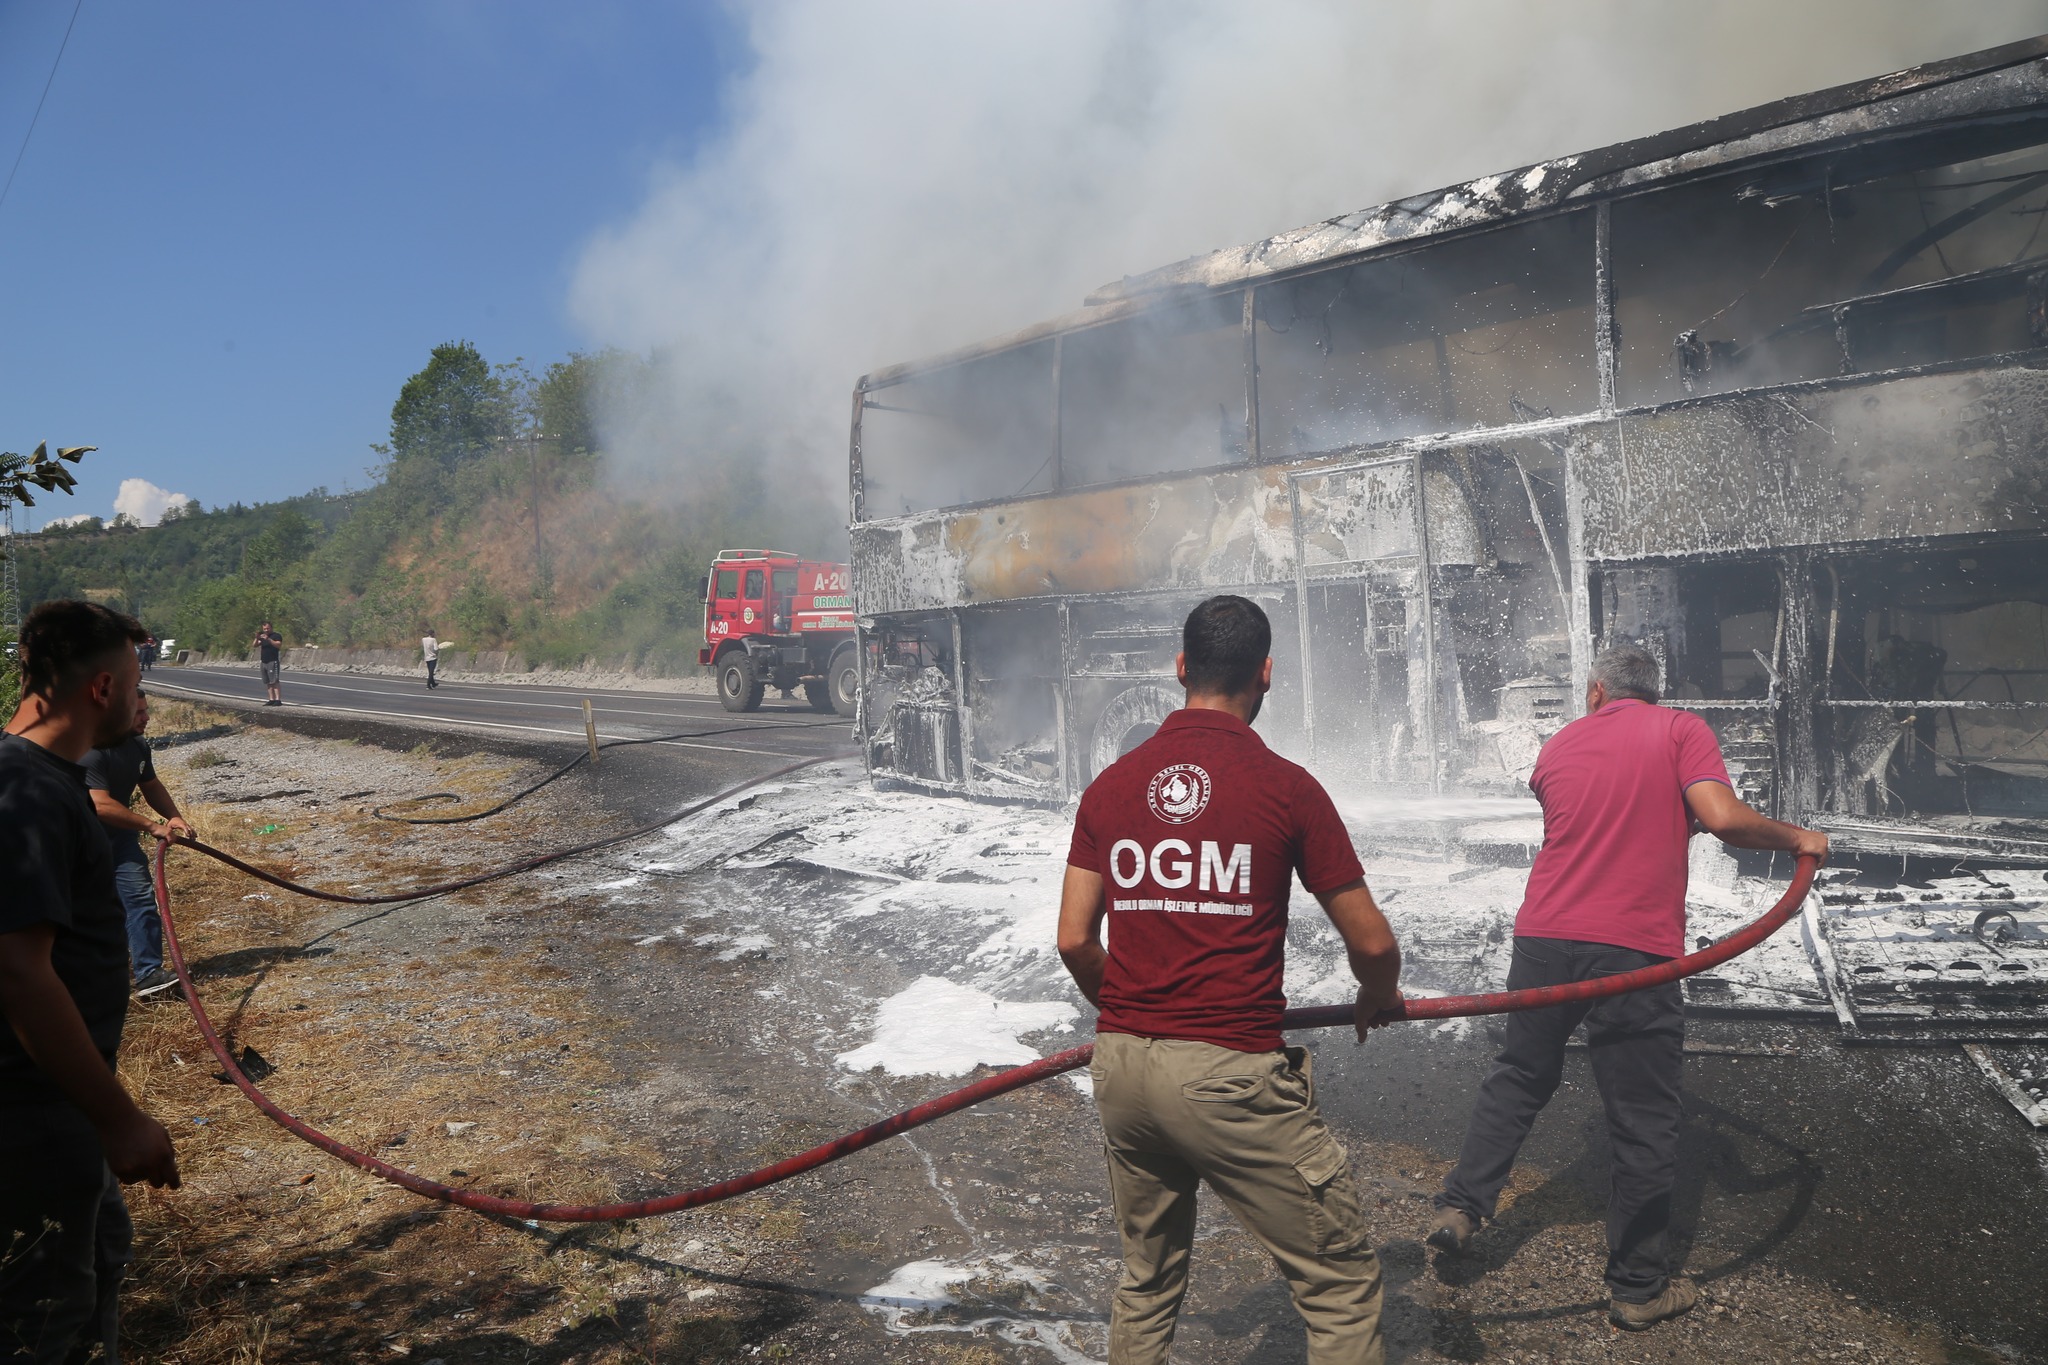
(895, 179)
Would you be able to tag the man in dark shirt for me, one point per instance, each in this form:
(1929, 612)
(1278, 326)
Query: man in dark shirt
(69, 1133)
(1187, 846)
(113, 774)
(1622, 788)
(267, 644)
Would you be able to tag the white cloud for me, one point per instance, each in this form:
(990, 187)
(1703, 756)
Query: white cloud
(901, 177)
(144, 501)
(71, 520)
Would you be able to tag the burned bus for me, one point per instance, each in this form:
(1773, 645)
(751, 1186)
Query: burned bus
(1768, 394)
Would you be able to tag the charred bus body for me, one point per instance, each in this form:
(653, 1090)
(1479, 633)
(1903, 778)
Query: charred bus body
(1768, 394)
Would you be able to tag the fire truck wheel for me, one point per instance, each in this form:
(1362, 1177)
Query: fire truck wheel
(842, 681)
(739, 686)
(818, 693)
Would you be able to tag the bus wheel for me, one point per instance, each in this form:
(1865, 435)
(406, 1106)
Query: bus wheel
(1131, 718)
(739, 686)
(842, 680)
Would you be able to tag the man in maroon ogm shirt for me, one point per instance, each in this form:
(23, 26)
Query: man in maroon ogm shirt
(1621, 788)
(1187, 846)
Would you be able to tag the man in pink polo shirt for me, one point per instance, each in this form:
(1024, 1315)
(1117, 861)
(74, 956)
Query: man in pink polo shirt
(1622, 788)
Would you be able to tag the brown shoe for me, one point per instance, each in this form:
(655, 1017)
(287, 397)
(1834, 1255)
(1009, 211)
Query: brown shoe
(1678, 1297)
(1453, 1230)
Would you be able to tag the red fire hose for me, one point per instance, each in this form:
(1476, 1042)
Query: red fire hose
(1322, 1016)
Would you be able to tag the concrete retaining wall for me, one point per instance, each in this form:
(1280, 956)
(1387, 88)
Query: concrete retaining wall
(495, 665)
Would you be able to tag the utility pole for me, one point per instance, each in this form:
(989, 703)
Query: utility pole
(10, 583)
(543, 572)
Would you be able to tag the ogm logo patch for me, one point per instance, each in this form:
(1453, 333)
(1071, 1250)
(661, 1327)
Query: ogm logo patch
(1179, 793)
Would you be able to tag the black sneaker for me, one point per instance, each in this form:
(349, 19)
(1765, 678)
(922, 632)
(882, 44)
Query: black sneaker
(156, 980)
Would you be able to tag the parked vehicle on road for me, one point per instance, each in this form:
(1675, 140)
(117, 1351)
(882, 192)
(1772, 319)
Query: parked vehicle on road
(773, 619)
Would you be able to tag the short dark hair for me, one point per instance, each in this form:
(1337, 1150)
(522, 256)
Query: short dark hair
(1225, 641)
(64, 642)
(1628, 671)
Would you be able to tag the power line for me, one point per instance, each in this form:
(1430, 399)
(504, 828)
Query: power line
(37, 117)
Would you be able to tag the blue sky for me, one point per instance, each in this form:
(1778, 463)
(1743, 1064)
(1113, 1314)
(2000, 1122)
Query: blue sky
(240, 226)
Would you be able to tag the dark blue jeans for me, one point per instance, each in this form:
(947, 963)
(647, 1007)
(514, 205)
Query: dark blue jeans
(1636, 1043)
(137, 890)
(64, 1239)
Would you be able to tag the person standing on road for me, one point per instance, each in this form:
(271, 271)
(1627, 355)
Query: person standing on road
(430, 650)
(1621, 788)
(70, 1135)
(1196, 835)
(113, 773)
(267, 644)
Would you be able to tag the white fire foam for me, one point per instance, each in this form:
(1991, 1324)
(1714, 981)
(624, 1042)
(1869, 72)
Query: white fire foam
(920, 1297)
(936, 1027)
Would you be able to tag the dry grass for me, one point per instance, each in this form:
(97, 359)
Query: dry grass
(173, 715)
(274, 1251)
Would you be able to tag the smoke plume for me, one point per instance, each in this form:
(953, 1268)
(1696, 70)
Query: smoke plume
(895, 179)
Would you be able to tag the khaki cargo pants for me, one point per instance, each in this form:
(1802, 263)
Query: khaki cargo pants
(1175, 1114)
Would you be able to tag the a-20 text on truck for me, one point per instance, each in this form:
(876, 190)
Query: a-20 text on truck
(772, 619)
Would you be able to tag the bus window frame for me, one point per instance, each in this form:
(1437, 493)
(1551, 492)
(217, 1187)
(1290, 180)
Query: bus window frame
(1255, 453)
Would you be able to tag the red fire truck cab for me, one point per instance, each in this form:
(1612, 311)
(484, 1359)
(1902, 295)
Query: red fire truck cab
(772, 619)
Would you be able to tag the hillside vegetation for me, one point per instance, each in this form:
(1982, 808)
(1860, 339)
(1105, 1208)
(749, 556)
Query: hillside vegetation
(446, 535)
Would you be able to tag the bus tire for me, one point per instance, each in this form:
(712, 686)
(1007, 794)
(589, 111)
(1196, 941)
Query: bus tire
(842, 682)
(739, 682)
(1131, 718)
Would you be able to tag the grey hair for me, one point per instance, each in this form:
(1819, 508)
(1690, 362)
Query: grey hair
(1628, 671)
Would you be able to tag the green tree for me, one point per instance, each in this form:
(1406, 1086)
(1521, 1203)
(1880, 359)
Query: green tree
(482, 614)
(451, 411)
(17, 472)
(570, 401)
(279, 547)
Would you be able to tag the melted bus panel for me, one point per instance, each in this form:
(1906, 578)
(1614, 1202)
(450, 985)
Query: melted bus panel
(1769, 395)
(1908, 251)
(1487, 331)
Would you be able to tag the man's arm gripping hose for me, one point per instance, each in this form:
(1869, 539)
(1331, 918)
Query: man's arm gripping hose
(1324, 1016)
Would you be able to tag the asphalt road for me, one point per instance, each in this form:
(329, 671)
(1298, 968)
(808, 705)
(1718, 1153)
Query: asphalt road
(779, 730)
(697, 747)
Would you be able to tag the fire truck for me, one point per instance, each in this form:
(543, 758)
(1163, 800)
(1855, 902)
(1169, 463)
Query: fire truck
(774, 619)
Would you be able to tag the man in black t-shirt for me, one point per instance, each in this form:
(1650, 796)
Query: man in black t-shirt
(69, 1132)
(267, 644)
(113, 774)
